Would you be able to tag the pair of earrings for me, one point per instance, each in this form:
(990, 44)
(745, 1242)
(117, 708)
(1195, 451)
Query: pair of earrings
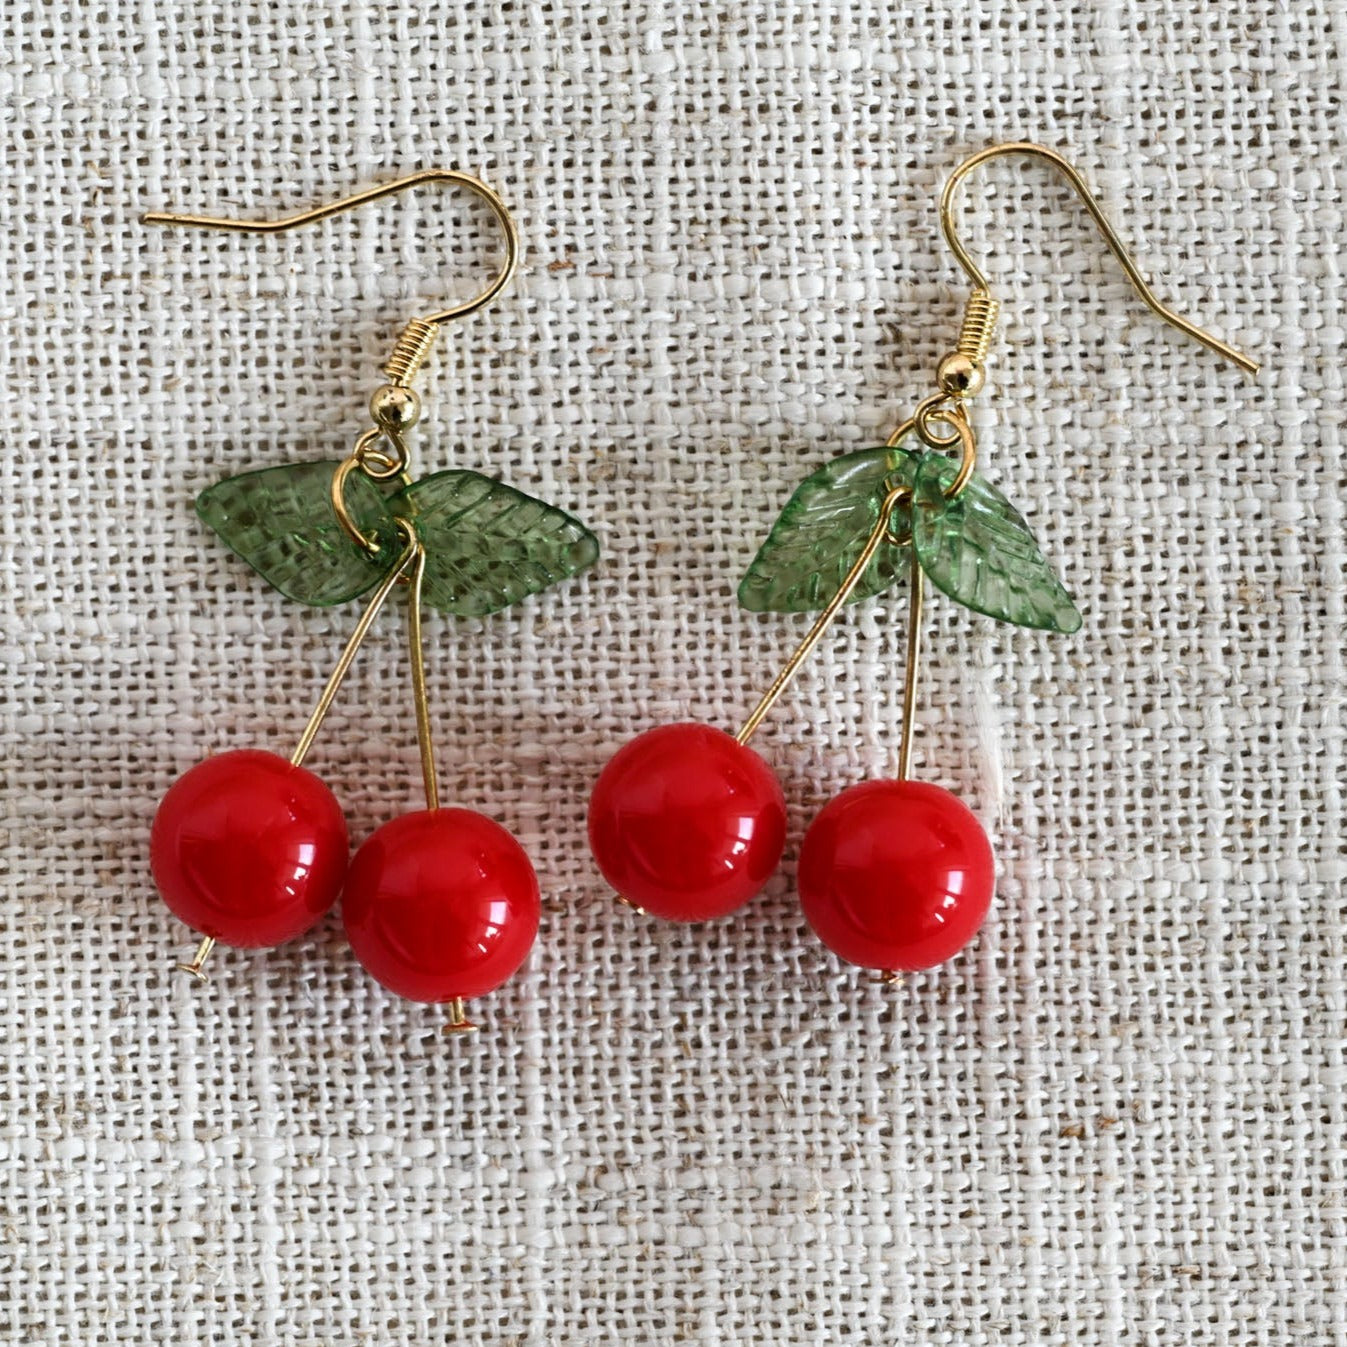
(686, 822)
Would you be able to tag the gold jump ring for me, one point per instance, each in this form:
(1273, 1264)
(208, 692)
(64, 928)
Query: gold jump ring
(353, 530)
(963, 436)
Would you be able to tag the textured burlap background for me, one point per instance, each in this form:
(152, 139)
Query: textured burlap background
(1119, 1117)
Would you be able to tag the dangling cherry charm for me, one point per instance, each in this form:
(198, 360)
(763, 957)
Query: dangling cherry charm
(441, 905)
(896, 875)
(248, 848)
(687, 823)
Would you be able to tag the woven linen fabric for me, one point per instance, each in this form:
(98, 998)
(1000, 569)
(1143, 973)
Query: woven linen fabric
(1118, 1117)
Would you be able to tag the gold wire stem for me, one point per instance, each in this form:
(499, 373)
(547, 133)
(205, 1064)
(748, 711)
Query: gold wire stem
(197, 966)
(409, 354)
(878, 535)
(1115, 244)
(329, 694)
(424, 743)
(508, 266)
(979, 326)
(458, 1019)
(912, 667)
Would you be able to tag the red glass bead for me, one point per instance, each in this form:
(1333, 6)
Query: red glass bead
(248, 848)
(896, 875)
(441, 904)
(687, 823)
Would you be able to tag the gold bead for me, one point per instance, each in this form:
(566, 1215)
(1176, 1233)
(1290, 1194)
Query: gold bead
(395, 408)
(960, 376)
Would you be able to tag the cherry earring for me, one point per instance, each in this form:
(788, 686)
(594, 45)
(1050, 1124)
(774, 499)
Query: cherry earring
(688, 822)
(249, 847)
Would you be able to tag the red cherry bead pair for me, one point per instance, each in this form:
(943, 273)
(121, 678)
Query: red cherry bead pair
(689, 824)
(251, 850)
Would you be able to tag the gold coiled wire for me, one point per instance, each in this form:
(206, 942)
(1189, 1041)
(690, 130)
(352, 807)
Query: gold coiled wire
(979, 326)
(409, 354)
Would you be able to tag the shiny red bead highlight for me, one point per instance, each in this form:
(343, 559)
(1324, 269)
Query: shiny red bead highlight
(441, 904)
(248, 848)
(687, 823)
(896, 875)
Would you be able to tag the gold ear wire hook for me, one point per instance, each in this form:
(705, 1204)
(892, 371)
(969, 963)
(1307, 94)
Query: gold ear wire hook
(979, 279)
(430, 175)
(416, 339)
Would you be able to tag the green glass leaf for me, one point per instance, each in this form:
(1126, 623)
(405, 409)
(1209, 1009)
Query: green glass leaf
(822, 531)
(281, 522)
(978, 549)
(488, 545)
